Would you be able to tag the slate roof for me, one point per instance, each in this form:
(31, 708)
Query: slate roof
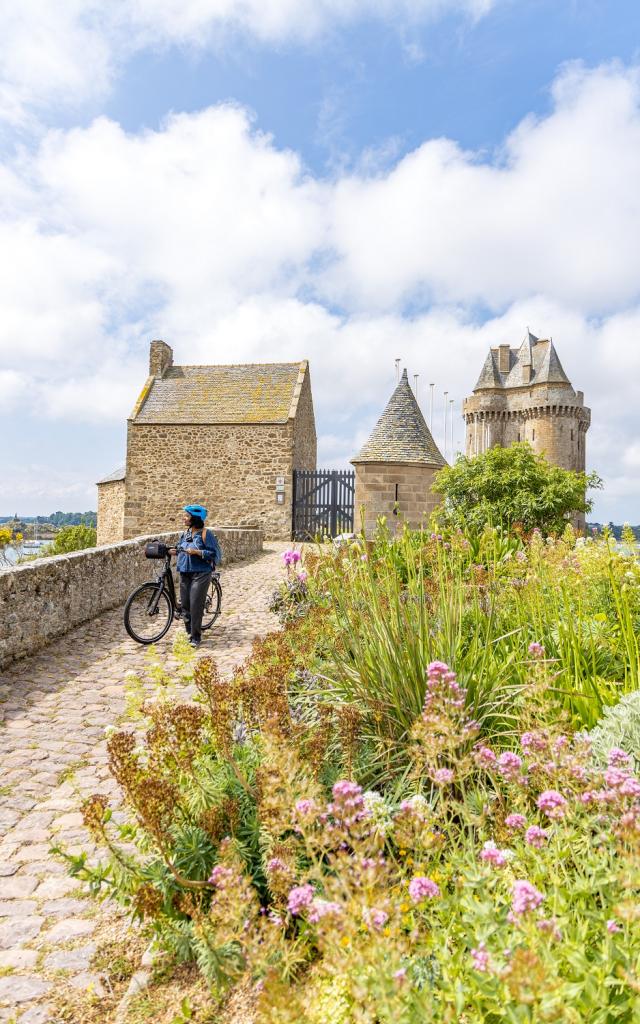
(539, 354)
(401, 434)
(118, 474)
(250, 393)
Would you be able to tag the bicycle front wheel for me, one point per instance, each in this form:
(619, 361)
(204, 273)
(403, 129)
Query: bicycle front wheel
(212, 605)
(148, 614)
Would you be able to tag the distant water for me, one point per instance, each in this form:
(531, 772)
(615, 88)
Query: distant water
(13, 555)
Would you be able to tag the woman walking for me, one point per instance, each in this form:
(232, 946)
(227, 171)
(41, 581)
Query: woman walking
(198, 554)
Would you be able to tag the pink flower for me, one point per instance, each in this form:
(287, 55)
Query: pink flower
(321, 908)
(615, 777)
(493, 855)
(306, 806)
(485, 757)
(291, 557)
(618, 758)
(436, 669)
(375, 917)
(443, 777)
(536, 836)
(400, 975)
(536, 650)
(421, 888)
(630, 787)
(552, 803)
(525, 897)
(549, 924)
(302, 575)
(613, 926)
(480, 958)
(300, 897)
(515, 821)
(221, 876)
(276, 865)
(509, 765)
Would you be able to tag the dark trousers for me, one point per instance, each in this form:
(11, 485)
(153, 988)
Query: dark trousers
(193, 594)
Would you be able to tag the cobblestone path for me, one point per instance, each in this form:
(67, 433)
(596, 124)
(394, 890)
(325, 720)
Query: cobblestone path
(54, 709)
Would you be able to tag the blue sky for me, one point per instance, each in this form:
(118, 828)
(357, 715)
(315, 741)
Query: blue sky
(345, 181)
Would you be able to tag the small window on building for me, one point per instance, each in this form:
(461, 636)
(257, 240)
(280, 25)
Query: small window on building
(518, 435)
(572, 435)
(534, 435)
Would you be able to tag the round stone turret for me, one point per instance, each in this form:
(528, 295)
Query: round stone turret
(396, 467)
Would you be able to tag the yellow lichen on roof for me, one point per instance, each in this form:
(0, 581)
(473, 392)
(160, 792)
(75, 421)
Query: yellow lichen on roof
(252, 393)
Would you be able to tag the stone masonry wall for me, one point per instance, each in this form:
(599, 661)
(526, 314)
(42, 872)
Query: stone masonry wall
(43, 599)
(110, 512)
(231, 469)
(304, 430)
(376, 491)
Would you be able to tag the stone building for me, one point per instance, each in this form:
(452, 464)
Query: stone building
(396, 467)
(523, 394)
(226, 436)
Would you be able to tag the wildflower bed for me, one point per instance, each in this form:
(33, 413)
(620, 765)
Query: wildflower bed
(394, 811)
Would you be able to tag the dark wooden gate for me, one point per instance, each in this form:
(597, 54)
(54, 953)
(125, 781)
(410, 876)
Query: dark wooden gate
(323, 502)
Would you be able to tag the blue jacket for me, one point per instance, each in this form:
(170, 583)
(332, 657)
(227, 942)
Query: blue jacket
(211, 552)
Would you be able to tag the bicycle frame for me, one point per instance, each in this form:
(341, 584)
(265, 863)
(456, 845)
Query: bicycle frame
(165, 578)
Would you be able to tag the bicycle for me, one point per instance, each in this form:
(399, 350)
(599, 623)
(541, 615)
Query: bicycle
(152, 607)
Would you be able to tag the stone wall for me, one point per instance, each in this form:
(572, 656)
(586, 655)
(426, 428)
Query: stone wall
(43, 599)
(304, 429)
(110, 511)
(231, 469)
(380, 487)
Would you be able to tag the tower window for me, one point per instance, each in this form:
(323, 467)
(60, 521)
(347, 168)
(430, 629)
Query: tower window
(534, 435)
(572, 435)
(518, 435)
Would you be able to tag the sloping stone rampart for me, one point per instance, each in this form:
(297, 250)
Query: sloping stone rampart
(44, 599)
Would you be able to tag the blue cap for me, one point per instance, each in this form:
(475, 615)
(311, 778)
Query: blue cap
(196, 510)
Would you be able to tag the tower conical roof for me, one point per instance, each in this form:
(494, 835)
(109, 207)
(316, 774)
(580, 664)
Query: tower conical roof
(401, 434)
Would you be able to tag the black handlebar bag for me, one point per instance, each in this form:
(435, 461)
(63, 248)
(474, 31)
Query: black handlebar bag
(156, 550)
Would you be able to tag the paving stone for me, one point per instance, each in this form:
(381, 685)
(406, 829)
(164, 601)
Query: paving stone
(40, 1014)
(17, 958)
(7, 868)
(20, 988)
(68, 907)
(89, 982)
(70, 928)
(56, 888)
(17, 908)
(78, 959)
(19, 886)
(14, 934)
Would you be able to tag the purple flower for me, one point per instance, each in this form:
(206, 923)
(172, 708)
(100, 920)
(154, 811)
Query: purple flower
(531, 741)
(276, 865)
(306, 806)
(400, 975)
(421, 888)
(509, 765)
(493, 855)
(613, 926)
(300, 897)
(615, 777)
(630, 787)
(480, 958)
(515, 821)
(552, 803)
(375, 917)
(221, 876)
(549, 924)
(536, 650)
(536, 836)
(618, 758)
(291, 556)
(443, 777)
(485, 757)
(525, 897)
(322, 908)
(302, 575)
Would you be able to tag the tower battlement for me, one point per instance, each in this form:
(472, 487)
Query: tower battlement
(523, 394)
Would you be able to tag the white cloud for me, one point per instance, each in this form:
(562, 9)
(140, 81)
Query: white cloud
(68, 52)
(208, 235)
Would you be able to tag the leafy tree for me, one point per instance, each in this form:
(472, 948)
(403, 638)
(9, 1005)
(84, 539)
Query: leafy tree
(511, 486)
(8, 539)
(71, 538)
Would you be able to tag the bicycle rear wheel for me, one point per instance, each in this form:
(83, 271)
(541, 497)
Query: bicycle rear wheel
(148, 613)
(213, 604)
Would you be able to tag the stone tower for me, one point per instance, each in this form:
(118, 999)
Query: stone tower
(396, 467)
(523, 394)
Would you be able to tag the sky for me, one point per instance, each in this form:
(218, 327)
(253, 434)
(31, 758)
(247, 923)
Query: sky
(347, 181)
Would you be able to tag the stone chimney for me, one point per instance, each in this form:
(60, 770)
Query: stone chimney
(504, 358)
(160, 358)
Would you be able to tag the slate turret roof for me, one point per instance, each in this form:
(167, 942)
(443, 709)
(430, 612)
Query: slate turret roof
(250, 393)
(401, 434)
(539, 354)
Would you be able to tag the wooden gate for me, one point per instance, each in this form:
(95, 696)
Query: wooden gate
(323, 502)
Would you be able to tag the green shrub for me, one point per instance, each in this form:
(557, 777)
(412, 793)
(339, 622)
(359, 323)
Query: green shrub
(618, 727)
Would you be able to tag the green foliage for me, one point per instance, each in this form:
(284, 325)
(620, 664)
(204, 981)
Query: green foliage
(618, 727)
(71, 538)
(511, 486)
